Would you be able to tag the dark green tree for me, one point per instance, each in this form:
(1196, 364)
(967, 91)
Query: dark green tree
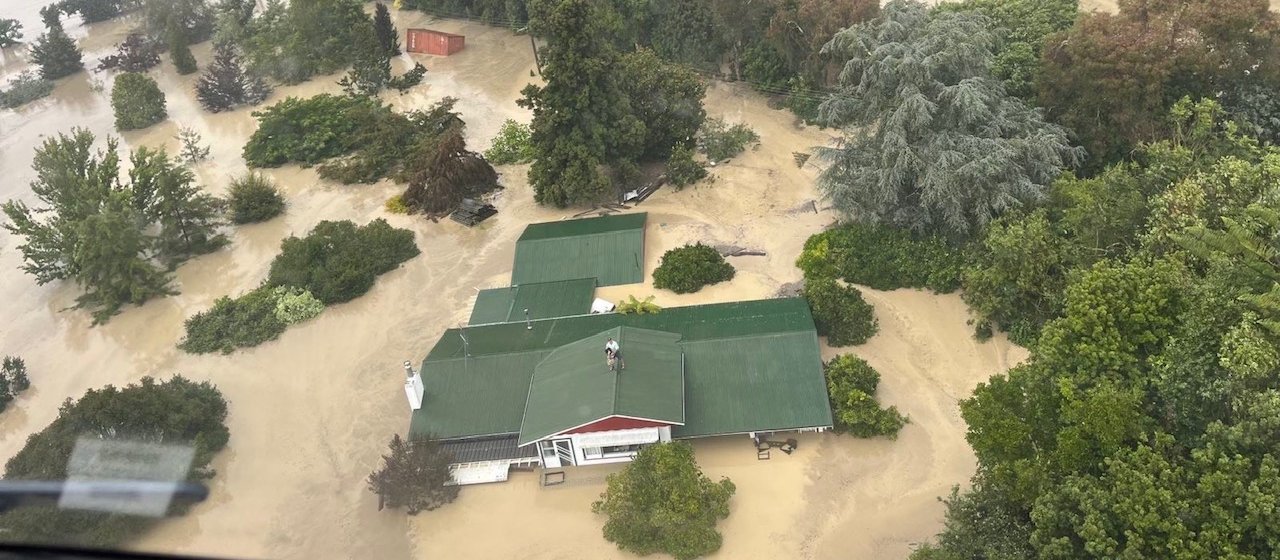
(111, 259)
(225, 84)
(661, 502)
(180, 52)
(10, 32)
(1019, 275)
(851, 383)
(666, 97)
(839, 312)
(581, 117)
(385, 30)
(413, 476)
(933, 142)
(166, 194)
(1022, 26)
(339, 261)
(683, 31)
(371, 67)
(137, 101)
(173, 412)
(56, 54)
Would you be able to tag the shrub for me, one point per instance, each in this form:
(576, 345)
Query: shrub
(180, 53)
(839, 312)
(10, 32)
(308, 131)
(882, 258)
(631, 305)
(175, 412)
(254, 198)
(852, 382)
(413, 77)
(682, 169)
(56, 54)
(396, 205)
(687, 269)
(24, 88)
(719, 141)
(295, 305)
(513, 144)
(413, 475)
(137, 102)
(225, 84)
(13, 380)
(339, 261)
(248, 320)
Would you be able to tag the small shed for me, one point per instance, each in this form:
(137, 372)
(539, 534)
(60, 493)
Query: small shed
(433, 42)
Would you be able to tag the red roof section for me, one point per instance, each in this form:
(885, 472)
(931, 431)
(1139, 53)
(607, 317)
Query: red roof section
(616, 423)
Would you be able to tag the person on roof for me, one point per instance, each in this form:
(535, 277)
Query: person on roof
(613, 355)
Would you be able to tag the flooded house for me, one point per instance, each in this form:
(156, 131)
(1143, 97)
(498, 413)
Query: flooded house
(528, 382)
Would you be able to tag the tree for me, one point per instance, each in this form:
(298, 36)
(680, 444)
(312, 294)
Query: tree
(1112, 77)
(683, 31)
(137, 101)
(665, 97)
(291, 42)
(445, 174)
(136, 53)
(1018, 278)
(385, 30)
(56, 54)
(176, 412)
(798, 31)
(1023, 26)
(167, 195)
(687, 269)
(933, 143)
(10, 32)
(225, 84)
(371, 68)
(180, 52)
(93, 11)
(661, 502)
(581, 117)
(414, 475)
(105, 235)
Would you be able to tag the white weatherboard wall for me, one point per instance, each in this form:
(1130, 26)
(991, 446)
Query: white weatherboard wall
(586, 445)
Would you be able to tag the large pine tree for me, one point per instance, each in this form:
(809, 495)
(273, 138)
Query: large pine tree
(385, 30)
(932, 140)
(225, 84)
(581, 117)
(371, 68)
(57, 54)
(166, 194)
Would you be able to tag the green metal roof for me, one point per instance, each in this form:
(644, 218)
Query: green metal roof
(583, 226)
(573, 386)
(608, 248)
(749, 366)
(542, 299)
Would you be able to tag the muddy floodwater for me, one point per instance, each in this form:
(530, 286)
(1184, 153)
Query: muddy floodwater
(311, 412)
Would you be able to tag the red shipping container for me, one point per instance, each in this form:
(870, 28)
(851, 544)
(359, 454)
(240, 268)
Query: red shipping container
(433, 42)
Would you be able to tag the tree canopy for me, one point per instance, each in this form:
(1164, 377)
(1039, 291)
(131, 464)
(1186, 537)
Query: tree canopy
(932, 141)
(174, 412)
(662, 502)
(114, 239)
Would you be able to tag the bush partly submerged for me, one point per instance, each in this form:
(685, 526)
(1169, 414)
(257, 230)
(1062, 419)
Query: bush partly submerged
(687, 269)
(883, 258)
(24, 88)
(254, 198)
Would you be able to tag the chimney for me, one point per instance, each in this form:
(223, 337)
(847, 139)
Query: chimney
(413, 386)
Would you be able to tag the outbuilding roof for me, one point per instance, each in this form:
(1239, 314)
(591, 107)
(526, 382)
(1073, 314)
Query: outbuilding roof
(608, 248)
(574, 385)
(543, 300)
(749, 366)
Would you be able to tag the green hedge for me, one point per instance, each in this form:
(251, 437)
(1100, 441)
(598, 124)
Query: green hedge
(339, 261)
(839, 312)
(310, 130)
(687, 269)
(882, 258)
